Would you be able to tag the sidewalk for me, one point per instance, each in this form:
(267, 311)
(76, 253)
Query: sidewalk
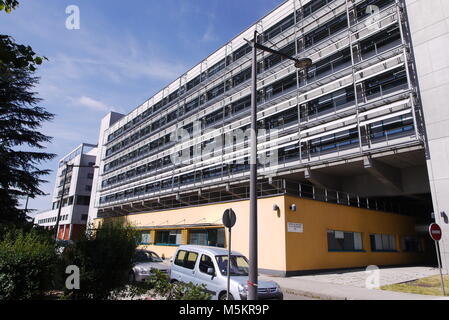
(348, 285)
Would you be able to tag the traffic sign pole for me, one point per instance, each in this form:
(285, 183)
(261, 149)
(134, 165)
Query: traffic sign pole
(229, 219)
(437, 246)
(436, 234)
(229, 265)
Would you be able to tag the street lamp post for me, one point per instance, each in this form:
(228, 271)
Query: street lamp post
(62, 195)
(303, 63)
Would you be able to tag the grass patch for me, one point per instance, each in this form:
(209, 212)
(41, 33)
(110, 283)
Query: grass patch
(427, 286)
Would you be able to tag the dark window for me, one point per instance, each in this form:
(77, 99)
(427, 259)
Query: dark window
(83, 200)
(216, 68)
(193, 83)
(169, 237)
(279, 27)
(383, 242)
(210, 237)
(411, 244)
(326, 30)
(186, 259)
(241, 77)
(245, 49)
(215, 92)
(314, 6)
(344, 241)
(206, 262)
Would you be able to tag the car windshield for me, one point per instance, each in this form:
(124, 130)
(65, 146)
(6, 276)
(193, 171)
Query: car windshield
(147, 256)
(239, 265)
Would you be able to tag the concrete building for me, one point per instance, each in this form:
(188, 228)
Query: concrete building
(344, 148)
(77, 191)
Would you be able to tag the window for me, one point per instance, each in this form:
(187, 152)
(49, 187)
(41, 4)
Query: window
(169, 237)
(186, 259)
(145, 238)
(84, 217)
(179, 261)
(83, 200)
(211, 237)
(238, 266)
(206, 263)
(279, 27)
(410, 244)
(88, 188)
(383, 242)
(344, 241)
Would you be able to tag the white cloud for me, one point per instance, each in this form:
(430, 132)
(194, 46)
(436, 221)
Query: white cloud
(210, 35)
(94, 104)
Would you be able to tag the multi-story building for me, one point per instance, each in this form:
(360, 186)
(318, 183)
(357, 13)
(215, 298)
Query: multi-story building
(76, 192)
(343, 146)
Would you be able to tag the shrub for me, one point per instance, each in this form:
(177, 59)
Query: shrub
(27, 264)
(104, 257)
(160, 286)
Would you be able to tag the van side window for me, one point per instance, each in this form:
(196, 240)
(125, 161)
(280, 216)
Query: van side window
(179, 261)
(206, 263)
(190, 261)
(186, 259)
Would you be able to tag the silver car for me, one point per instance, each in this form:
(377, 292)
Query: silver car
(145, 262)
(208, 266)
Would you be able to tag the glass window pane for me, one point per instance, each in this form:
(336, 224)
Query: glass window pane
(358, 241)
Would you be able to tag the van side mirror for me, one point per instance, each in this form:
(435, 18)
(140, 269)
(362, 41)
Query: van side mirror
(210, 271)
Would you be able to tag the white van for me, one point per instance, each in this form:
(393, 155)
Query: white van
(208, 266)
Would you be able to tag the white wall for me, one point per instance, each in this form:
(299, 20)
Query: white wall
(429, 24)
(106, 122)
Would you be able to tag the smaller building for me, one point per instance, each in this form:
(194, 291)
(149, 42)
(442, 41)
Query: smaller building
(302, 229)
(75, 193)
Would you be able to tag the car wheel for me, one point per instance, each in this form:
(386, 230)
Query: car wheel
(224, 296)
(131, 277)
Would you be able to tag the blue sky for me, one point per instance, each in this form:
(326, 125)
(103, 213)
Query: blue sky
(123, 53)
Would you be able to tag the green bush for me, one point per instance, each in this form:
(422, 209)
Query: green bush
(104, 257)
(27, 264)
(160, 287)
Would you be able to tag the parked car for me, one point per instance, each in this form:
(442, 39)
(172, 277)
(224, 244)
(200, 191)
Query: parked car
(145, 262)
(208, 266)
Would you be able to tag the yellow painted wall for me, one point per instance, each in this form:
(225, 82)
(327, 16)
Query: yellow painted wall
(282, 251)
(309, 250)
(271, 226)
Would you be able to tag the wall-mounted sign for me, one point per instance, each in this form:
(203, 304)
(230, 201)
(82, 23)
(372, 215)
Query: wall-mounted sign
(295, 227)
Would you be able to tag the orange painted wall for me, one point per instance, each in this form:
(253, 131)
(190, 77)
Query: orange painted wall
(309, 250)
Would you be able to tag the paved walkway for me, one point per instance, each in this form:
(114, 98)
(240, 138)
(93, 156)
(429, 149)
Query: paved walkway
(350, 284)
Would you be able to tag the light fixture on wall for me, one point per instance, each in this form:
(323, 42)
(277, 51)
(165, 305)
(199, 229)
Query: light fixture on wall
(293, 207)
(275, 207)
(444, 216)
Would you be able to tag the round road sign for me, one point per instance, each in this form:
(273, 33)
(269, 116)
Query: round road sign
(229, 218)
(435, 232)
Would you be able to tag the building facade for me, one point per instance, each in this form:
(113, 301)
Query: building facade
(348, 132)
(75, 193)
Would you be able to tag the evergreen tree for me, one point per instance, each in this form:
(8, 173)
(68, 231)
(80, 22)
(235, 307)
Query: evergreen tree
(20, 117)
